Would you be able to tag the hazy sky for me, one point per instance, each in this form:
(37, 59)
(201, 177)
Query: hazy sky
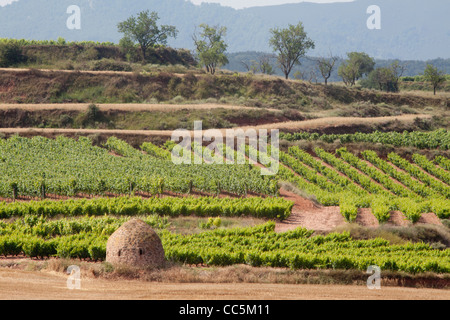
(5, 2)
(239, 4)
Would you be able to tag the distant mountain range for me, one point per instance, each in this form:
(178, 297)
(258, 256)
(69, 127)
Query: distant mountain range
(410, 29)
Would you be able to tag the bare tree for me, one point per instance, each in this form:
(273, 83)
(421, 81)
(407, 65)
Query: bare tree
(246, 65)
(326, 66)
(265, 66)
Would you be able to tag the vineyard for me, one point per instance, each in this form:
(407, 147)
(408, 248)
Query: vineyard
(102, 187)
(439, 139)
(85, 238)
(37, 167)
(353, 182)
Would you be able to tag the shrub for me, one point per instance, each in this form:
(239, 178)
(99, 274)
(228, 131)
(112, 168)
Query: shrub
(89, 54)
(65, 120)
(178, 99)
(10, 54)
(111, 65)
(97, 252)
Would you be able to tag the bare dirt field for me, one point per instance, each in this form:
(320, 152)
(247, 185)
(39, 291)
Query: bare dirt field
(32, 285)
(307, 214)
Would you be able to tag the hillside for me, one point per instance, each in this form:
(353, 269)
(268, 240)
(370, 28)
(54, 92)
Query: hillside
(47, 86)
(411, 29)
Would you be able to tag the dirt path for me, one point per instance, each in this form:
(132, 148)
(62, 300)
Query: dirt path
(293, 125)
(328, 122)
(73, 71)
(307, 214)
(31, 285)
(127, 107)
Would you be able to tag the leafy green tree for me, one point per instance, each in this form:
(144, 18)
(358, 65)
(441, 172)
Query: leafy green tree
(435, 76)
(386, 78)
(211, 47)
(144, 30)
(129, 48)
(291, 44)
(355, 67)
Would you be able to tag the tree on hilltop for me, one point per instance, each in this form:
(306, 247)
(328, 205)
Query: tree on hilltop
(435, 76)
(326, 66)
(355, 67)
(144, 30)
(291, 44)
(211, 47)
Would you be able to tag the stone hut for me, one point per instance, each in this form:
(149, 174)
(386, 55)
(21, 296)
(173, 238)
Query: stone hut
(135, 243)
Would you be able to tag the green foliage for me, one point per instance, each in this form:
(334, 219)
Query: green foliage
(212, 223)
(357, 65)
(155, 151)
(385, 78)
(10, 53)
(276, 208)
(62, 163)
(435, 76)
(144, 30)
(433, 186)
(211, 47)
(431, 168)
(381, 208)
(298, 249)
(348, 208)
(128, 47)
(443, 162)
(60, 42)
(439, 139)
(290, 44)
(353, 183)
(111, 65)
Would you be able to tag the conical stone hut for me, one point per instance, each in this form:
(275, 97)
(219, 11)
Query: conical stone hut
(135, 244)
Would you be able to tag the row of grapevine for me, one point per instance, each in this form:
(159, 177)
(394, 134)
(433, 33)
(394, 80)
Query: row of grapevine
(80, 246)
(351, 173)
(331, 174)
(443, 162)
(350, 197)
(404, 178)
(375, 174)
(431, 168)
(155, 151)
(256, 246)
(309, 174)
(297, 249)
(416, 172)
(122, 148)
(439, 139)
(272, 208)
(38, 166)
